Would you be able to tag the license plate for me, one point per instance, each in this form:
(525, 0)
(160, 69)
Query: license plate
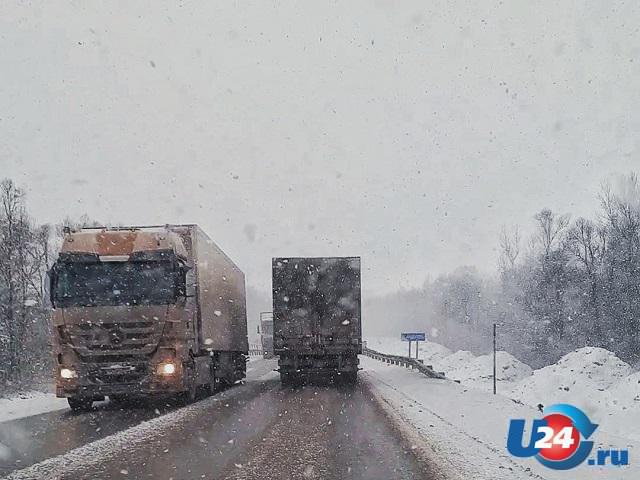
(117, 369)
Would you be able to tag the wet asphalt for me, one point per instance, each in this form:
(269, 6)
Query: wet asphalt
(259, 430)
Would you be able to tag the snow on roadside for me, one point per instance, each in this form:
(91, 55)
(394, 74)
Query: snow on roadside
(593, 378)
(454, 361)
(625, 396)
(478, 372)
(601, 366)
(584, 375)
(430, 352)
(464, 429)
(626, 392)
(28, 404)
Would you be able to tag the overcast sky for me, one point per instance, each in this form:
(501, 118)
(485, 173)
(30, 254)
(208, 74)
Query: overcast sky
(403, 132)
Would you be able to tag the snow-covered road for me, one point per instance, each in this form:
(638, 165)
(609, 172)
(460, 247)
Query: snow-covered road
(257, 430)
(396, 423)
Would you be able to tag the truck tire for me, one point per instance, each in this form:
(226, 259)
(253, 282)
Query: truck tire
(288, 379)
(241, 369)
(349, 378)
(190, 395)
(79, 404)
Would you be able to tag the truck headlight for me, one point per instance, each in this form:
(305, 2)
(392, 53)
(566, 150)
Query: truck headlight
(166, 368)
(68, 373)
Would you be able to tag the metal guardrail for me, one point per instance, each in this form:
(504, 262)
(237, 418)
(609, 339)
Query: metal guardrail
(406, 362)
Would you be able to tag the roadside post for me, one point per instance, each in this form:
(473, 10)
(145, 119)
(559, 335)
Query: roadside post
(413, 337)
(494, 358)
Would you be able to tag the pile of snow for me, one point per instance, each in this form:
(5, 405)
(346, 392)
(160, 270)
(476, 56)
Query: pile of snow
(626, 393)
(479, 371)
(595, 379)
(600, 366)
(583, 375)
(454, 361)
(428, 351)
(388, 345)
(432, 353)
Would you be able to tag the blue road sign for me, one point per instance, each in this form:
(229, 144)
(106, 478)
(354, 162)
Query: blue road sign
(413, 337)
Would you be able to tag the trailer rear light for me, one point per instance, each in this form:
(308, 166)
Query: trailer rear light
(68, 373)
(166, 368)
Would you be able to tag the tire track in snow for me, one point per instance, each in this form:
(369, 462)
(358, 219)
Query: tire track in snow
(109, 448)
(411, 431)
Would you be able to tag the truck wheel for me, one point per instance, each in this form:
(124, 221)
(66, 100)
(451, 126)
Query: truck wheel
(241, 367)
(192, 393)
(289, 379)
(79, 404)
(349, 378)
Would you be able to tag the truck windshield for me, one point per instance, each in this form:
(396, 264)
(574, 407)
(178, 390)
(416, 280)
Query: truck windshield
(121, 283)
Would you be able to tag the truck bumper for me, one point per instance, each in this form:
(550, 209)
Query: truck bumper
(318, 364)
(105, 380)
(63, 391)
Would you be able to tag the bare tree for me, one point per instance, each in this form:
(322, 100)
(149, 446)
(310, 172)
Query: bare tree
(588, 243)
(12, 216)
(550, 229)
(509, 249)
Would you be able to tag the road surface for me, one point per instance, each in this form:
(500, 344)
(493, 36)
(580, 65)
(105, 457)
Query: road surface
(258, 430)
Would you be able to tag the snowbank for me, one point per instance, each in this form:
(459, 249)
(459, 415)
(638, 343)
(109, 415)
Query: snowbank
(597, 364)
(584, 375)
(479, 371)
(461, 365)
(433, 352)
(29, 403)
(464, 429)
(626, 393)
(593, 378)
(428, 351)
(454, 361)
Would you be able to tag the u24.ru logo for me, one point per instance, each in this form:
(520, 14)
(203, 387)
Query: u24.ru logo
(560, 440)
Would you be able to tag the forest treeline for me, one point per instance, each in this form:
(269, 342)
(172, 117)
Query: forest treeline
(571, 282)
(26, 252)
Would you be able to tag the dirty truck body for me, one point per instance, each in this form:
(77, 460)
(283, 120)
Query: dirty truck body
(316, 317)
(146, 311)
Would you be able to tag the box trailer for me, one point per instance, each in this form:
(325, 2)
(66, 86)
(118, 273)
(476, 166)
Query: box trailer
(266, 334)
(317, 316)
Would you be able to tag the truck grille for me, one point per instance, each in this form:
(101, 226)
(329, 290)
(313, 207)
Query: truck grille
(116, 338)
